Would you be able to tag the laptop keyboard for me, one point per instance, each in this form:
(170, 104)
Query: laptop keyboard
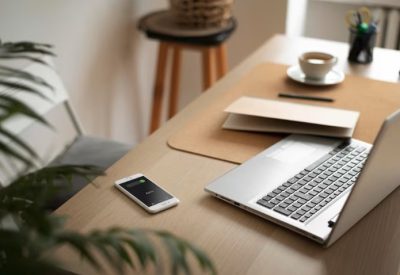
(311, 190)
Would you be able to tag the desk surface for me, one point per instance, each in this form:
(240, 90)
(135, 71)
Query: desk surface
(238, 242)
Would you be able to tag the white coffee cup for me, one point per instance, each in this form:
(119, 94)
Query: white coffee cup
(316, 65)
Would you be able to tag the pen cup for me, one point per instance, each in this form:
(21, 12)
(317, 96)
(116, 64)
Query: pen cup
(361, 46)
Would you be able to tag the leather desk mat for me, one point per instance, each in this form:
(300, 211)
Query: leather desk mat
(204, 135)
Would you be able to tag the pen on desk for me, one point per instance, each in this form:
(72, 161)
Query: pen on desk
(306, 97)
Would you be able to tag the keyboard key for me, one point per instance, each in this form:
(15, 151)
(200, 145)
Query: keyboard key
(318, 180)
(317, 200)
(280, 198)
(323, 195)
(267, 197)
(307, 187)
(282, 211)
(313, 184)
(301, 201)
(307, 179)
(265, 204)
(301, 212)
(303, 219)
(289, 200)
(310, 204)
(305, 197)
(274, 201)
(283, 205)
(360, 149)
(303, 190)
(333, 187)
(290, 191)
(276, 192)
(313, 174)
(308, 215)
(304, 172)
(297, 205)
(303, 182)
(286, 184)
(295, 186)
(281, 188)
(313, 193)
(292, 208)
(323, 185)
(295, 216)
(285, 194)
(318, 189)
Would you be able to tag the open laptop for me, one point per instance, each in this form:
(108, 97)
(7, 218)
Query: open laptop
(318, 187)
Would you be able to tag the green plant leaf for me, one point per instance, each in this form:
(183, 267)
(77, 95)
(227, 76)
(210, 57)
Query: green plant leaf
(12, 106)
(22, 56)
(11, 72)
(19, 142)
(23, 88)
(26, 47)
(79, 243)
(178, 260)
(7, 150)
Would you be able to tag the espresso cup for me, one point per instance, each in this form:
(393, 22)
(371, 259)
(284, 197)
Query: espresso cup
(316, 65)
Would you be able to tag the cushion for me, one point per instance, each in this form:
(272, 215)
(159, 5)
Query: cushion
(90, 151)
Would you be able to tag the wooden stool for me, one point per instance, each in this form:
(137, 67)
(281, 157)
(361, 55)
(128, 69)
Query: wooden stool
(173, 37)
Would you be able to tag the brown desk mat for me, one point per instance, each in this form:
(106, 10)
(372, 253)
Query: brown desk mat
(204, 135)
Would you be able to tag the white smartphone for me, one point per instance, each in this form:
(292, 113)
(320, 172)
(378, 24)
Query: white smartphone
(146, 193)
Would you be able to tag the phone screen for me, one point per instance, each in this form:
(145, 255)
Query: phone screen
(146, 191)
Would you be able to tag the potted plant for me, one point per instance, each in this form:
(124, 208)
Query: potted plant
(27, 231)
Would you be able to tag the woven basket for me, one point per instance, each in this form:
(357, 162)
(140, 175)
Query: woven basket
(201, 13)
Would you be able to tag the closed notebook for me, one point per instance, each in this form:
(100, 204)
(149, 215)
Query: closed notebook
(264, 115)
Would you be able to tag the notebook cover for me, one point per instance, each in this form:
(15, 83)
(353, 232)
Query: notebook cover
(264, 115)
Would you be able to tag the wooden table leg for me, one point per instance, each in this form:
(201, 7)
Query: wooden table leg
(208, 78)
(175, 77)
(159, 87)
(222, 61)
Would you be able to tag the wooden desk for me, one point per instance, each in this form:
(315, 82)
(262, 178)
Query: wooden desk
(238, 242)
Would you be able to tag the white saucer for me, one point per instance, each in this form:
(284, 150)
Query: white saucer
(333, 77)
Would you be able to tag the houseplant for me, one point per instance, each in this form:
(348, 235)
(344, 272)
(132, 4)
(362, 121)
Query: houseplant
(28, 232)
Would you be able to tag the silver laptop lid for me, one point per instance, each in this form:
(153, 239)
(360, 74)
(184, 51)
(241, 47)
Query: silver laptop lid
(380, 176)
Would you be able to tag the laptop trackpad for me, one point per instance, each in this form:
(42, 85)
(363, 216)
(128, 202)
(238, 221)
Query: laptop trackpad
(292, 152)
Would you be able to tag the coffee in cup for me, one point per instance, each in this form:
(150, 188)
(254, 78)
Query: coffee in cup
(316, 65)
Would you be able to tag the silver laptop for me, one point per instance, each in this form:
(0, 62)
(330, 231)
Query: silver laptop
(318, 187)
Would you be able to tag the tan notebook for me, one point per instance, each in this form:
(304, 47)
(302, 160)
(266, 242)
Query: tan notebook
(265, 115)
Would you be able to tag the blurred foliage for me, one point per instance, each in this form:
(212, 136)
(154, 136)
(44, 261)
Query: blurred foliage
(34, 231)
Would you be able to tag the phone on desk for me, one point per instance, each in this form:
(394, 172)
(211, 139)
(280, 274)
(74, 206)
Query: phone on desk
(146, 193)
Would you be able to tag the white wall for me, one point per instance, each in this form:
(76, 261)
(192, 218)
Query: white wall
(325, 19)
(108, 66)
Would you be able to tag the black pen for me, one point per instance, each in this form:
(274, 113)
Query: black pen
(306, 97)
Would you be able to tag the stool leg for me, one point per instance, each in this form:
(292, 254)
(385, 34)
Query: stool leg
(158, 87)
(175, 77)
(222, 61)
(207, 68)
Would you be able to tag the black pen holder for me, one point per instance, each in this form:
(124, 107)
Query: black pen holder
(361, 46)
